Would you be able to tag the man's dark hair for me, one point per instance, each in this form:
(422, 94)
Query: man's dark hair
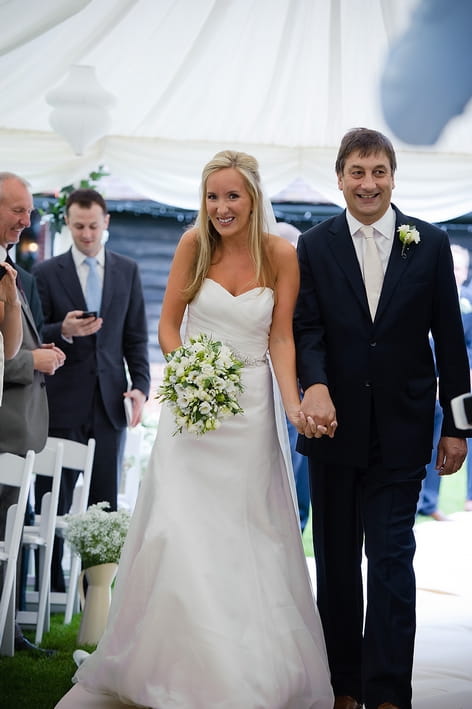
(366, 142)
(85, 198)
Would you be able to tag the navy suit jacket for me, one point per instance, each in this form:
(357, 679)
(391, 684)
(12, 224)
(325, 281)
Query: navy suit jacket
(466, 310)
(98, 358)
(385, 367)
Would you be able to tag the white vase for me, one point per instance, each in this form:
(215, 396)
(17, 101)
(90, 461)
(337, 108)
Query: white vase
(95, 602)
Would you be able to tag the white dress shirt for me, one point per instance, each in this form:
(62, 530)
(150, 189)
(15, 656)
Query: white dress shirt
(82, 268)
(384, 232)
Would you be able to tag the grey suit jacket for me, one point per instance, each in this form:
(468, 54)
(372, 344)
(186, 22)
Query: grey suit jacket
(24, 411)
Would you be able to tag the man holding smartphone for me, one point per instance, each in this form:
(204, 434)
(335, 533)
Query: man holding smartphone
(93, 304)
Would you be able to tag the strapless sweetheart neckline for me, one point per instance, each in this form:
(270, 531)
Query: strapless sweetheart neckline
(212, 280)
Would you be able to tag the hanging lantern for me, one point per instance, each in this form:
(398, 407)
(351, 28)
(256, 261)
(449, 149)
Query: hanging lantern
(80, 106)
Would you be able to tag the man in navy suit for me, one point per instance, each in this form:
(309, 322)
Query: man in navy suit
(369, 385)
(107, 354)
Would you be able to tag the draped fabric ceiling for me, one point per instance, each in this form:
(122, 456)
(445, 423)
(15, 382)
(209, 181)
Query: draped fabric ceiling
(281, 79)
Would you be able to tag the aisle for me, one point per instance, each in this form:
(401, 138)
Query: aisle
(442, 676)
(442, 671)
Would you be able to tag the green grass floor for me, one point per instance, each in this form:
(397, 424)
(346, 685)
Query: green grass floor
(31, 681)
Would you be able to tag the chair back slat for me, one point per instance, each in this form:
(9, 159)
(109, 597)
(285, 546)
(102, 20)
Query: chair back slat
(15, 471)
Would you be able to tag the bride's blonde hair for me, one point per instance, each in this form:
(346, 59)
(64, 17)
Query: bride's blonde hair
(209, 239)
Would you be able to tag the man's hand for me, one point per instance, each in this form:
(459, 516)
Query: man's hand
(48, 358)
(451, 454)
(74, 325)
(138, 399)
(318, 412)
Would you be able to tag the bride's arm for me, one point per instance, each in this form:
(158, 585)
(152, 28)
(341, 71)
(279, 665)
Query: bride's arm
(281, 344)
(10, 312)
(175, 302)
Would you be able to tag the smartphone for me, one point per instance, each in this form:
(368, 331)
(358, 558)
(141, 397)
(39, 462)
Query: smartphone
(3, 270)
(88, 314)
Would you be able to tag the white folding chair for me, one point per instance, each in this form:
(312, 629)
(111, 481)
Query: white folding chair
(16, 472)
(78, 456)
(40, 536)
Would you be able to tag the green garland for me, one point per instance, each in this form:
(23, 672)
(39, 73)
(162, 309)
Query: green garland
(57, 209)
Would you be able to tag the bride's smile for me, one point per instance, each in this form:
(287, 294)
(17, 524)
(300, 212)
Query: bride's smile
(228, 202)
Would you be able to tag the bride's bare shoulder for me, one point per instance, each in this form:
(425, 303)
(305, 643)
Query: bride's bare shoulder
(279, 248)
(188, 242)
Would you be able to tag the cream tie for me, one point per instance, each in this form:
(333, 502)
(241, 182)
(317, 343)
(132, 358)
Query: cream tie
(373, 271)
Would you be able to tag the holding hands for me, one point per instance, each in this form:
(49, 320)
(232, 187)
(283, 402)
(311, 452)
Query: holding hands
(297, 419)
(318, 415)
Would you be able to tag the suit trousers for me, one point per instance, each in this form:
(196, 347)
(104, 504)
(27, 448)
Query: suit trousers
(106, 472)
(370, 654)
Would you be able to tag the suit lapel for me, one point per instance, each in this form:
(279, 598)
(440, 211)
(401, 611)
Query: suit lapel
(25, 306)
(108, 279)
(340, 243)
(28, 315)
(397, 265)
(67, 275)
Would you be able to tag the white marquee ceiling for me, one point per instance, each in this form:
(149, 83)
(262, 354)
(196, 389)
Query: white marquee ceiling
(282, 79)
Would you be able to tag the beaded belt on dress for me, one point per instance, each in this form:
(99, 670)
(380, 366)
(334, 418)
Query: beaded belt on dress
(248, 361)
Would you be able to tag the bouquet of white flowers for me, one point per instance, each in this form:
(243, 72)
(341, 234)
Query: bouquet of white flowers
(97, 536)
(202, 380)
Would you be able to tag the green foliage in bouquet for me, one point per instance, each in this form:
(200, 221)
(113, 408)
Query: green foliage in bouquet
(201, 383)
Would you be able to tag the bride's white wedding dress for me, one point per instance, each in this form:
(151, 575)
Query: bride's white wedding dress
(213, 607)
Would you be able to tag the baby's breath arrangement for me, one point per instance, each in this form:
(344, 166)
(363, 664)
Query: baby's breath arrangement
(97, 536)
(202, 380)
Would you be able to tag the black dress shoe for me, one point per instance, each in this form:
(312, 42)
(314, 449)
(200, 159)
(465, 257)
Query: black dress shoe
(346, 702)
(22, 643)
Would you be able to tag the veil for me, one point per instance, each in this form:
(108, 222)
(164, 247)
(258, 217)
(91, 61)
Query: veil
(268, 216)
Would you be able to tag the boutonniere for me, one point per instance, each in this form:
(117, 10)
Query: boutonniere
(408, 235)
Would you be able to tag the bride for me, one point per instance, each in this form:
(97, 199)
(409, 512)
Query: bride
(213, 607)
